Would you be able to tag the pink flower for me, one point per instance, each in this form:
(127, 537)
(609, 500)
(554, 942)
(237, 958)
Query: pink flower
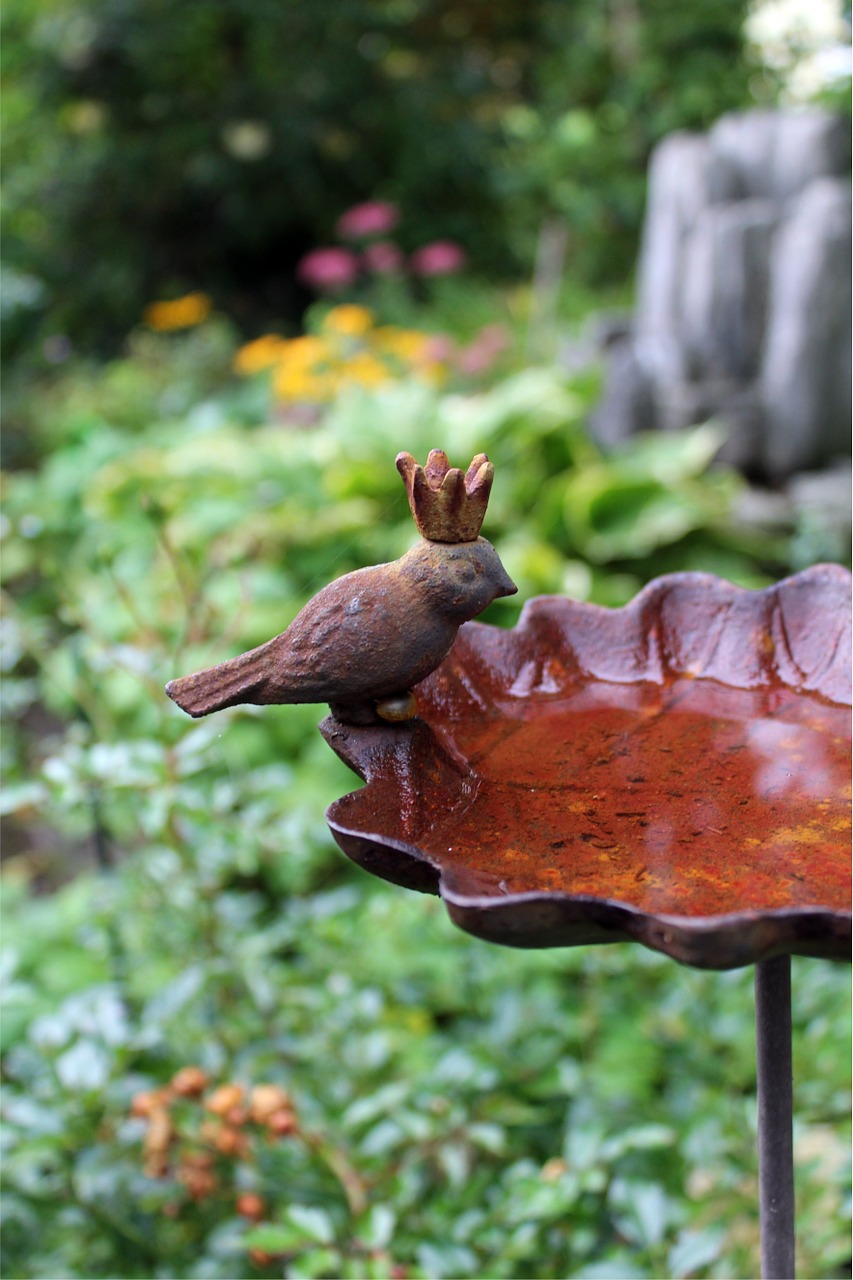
(440, 258)
(383, 258)
(482, 353)
(328, 270)
(439, 347)
(375, 218)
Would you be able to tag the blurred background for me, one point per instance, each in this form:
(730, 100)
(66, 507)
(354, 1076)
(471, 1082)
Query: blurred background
(250, 251)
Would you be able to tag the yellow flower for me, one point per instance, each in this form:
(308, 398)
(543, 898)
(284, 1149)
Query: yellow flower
(364, 370)
(304, 352)
(258, 355)
(407, 345)
(349, 321)
(181, 313)
(301, 370)
(432, 372)
(292, 382)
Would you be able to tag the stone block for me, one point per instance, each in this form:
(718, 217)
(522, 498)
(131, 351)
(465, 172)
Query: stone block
(773, 155)
(806, 370)
(724, 289)
(677, 194)
(627, 404)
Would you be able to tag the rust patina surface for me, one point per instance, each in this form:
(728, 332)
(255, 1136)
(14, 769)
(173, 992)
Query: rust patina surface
(365, 640)
(676, 772)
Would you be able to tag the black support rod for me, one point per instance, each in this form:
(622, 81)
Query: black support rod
(775, 1117)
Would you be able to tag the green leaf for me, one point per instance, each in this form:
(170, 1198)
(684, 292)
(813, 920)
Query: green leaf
(694, 1250)
(620, 1266)
(377, 1228)
(314, 1223)
(84, 1067)
(643, 1210)
(272, 1238)
(22, 795)
(312, 1263)
(447, 1260)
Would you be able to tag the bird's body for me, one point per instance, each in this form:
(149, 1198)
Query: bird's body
(368, 636)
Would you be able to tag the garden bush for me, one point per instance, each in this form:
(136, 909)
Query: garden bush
(154, 148)
(442, 1107)
(453, 1109)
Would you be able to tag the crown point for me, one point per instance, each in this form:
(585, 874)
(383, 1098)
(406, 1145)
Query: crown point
(477, 462)
(437, 467)
(447, 506)
(480, 475)
(405, 464)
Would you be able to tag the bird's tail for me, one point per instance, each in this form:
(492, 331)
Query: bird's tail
(242, 679)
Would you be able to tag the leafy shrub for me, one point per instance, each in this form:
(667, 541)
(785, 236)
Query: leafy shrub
(454, 1109)
(609, 84)
(457, 1110)
(155, 148)
(170, 523)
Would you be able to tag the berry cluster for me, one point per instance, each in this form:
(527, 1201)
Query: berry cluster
(199, 1145)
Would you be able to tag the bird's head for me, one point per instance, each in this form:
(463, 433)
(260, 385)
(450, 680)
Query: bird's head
(459, 570)
(462, 579)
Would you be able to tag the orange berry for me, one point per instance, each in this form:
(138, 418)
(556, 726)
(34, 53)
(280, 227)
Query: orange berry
(260, 1257)
(155, 1164)
(189, 1082)
(209, 1132)
(267, 1098)
(553, 1169)
(197, 1160)
(141, 1104)
(195, 1172)
(158, 1139)
(231, 1142)
(223, 1099)
(237, 1117)
(251, 1206)
(282, 1123)
(200, 1183)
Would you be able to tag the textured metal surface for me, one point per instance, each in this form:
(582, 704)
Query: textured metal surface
(447, 506)
(775, 1117)
(676, 772)
(363, 641)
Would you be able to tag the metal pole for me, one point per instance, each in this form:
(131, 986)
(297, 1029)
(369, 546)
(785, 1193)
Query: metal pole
(775, 1117)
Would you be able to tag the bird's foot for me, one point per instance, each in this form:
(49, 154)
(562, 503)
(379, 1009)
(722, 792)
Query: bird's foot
(401, 707)
(394, 710)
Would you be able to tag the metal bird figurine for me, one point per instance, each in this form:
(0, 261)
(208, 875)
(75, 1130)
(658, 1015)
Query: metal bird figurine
(363, 642)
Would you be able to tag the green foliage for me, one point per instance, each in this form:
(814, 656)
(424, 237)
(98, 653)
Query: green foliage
(611, 81)
(156, 536)
(462, 1111)
(153, 147)
(169, 524)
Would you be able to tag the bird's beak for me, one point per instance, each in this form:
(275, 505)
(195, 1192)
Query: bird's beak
(505, 585)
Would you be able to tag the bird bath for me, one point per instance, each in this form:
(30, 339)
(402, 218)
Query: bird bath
(674, 773)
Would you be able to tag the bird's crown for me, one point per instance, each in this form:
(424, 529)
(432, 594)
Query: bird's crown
(447, 505)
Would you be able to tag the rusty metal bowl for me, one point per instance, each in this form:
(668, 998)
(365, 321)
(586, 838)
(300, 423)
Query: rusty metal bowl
(675, 773)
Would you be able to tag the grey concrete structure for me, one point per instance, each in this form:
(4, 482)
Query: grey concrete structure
(744, 298)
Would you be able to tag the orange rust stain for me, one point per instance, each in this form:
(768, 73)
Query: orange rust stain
(696, 799)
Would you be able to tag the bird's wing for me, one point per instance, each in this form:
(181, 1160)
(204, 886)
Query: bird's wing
(352, 640)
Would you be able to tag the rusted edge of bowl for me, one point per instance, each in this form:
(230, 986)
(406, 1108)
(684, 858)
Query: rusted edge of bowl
(539, 920)
(547, 919)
